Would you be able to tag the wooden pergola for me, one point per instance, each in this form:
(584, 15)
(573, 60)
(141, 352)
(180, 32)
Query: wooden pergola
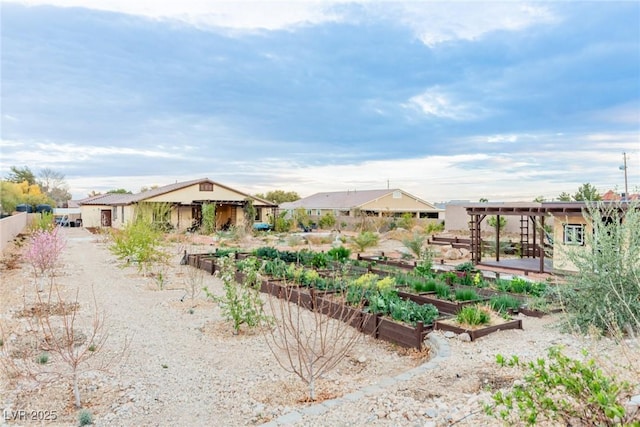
(532, 218)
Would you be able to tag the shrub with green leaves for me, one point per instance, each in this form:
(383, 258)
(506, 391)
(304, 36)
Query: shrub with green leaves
(605, 292)
(365, 240)
(415, 244)
(340, 254)
(208, 218)
(140, 242)
(328, 220)
(240, 303)
(85, 418)
(562, 390)
(442, 290)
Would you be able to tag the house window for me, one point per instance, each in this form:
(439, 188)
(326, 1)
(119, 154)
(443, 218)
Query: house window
(206, 186)
(573, 234)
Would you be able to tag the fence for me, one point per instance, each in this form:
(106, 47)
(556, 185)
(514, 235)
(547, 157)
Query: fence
(10, 227)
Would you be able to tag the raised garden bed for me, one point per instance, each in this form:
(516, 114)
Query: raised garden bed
(445, 306)
(479, 331)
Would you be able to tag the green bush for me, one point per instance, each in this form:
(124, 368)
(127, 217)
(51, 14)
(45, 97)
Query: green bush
(85, 418)
(328, 220)
(563, 391)
(364, 240)
(140, 242)
(442, 290)
(241, 303)
(605, 292)
(339, 254)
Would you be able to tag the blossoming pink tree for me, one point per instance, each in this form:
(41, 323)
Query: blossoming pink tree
(43, 251)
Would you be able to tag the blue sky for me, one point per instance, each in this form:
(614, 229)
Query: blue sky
(447, 100)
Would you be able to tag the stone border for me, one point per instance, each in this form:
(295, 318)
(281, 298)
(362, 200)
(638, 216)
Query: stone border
(437, 344)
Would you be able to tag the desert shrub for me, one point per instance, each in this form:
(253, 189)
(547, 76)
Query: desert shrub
(42, 358)
(415, 244)
(605, 292)
(44, 222)
(473, 315)
(364, 240)
(328, 220)
(434, 227)
(563, 391)
(406, 221)
(140, 242)
(493, 222)
(85, 418)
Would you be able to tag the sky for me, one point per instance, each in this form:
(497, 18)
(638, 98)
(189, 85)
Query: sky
(505, 101)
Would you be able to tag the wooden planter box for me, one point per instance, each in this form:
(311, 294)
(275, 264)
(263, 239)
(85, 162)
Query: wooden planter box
(402, 334)
(448, 307)
(302, 296)
(421, 298)
(208, 265)
(479, 332)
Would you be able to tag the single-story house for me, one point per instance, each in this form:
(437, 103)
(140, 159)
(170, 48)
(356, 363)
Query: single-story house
(182, 205)
(352, 203)
(559, 225)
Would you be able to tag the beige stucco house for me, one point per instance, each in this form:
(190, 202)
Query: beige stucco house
(183, 202)
(394, 202)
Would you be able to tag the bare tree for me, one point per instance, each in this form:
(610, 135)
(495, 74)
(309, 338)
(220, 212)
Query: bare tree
(55, 331)
(311, 341)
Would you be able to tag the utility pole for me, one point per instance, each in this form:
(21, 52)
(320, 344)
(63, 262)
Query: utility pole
(624, 168)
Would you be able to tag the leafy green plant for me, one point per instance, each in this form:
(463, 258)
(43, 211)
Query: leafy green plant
(424, 267)
(42, 358)
(85, 418)
(466, 266)
(415, 244)
(328, 220)
(364, 240)
(605, 291)
(140, 242)
(406, 221)
(493, 222)
(208, 218)
(240, 303)
(339, 254)
(562, 390)
(473, 315)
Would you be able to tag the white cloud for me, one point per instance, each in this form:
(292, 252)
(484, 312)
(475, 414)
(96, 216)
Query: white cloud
(433, 22)
(237, 14)
(438, 22)
(437, 103)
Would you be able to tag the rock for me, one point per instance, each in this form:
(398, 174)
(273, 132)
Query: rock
(449, 334)
(464, 337)
(362, 359)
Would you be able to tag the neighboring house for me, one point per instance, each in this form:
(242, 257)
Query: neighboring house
(184, 201)
(380, 203)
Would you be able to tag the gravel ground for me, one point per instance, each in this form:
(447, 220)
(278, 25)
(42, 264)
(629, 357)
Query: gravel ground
(184, 367)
